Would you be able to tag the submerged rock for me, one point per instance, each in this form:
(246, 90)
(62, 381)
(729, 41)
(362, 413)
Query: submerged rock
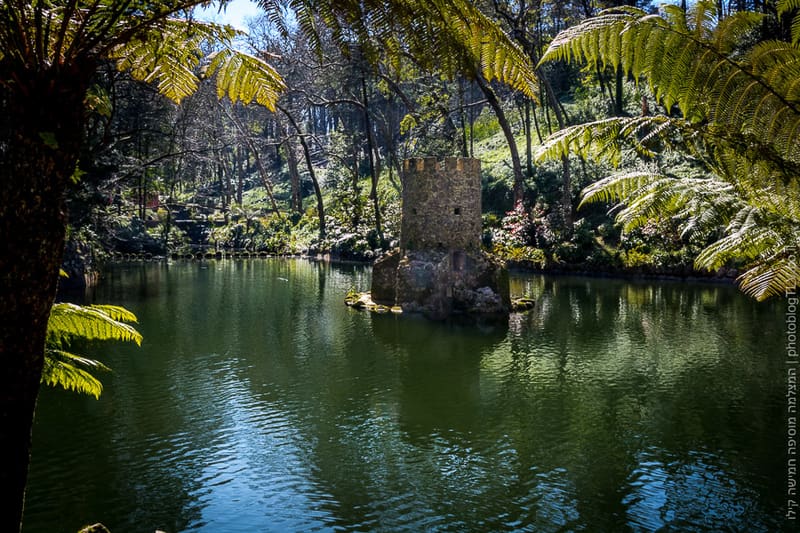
(363, 300)
(522, 304)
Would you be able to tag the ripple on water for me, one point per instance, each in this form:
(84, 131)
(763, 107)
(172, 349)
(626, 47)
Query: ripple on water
(254, 406)
(693, 493)
(260, 475)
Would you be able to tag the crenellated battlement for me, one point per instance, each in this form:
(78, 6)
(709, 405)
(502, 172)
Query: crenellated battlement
(435, 164)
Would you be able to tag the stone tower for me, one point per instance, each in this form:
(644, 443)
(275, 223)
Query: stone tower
(440, 268)
(441, 204)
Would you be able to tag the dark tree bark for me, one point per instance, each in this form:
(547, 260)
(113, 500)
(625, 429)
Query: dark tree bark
(373, 190)
(516, 164)
(618, 93)
(462, 119)
(311, 172)
(40, 133)
(528, 138)
(294, 174)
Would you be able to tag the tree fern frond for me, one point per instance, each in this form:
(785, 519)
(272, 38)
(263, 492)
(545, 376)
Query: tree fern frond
(276, 12)
(167, 56)
(684, 65)
(68, 321)
(775, 278)
(242, 77)
(77, 360)
(785, 7)
(172, 58)
(115, 312)
(617, 187)
(95, 322)
(748, 244)
(741, 119)
(729, 32)
(62, 369)
(606, 138)
(482, 39)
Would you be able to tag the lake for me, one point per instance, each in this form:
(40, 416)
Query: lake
(259, 402)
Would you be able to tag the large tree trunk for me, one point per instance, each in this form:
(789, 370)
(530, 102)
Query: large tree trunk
(373, 190)
(311, 172)
(516, 165)
(294, 174)
(39, 137)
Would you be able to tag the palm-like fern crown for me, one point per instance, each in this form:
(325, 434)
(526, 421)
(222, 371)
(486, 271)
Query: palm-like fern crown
(739, 114)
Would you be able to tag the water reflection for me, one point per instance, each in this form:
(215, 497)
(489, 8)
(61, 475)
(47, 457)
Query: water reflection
(259, 402)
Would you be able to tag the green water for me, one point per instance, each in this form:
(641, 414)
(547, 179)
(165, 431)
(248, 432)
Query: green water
(259, 402)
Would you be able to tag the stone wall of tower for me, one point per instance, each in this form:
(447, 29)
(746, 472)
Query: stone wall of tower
(441, 204)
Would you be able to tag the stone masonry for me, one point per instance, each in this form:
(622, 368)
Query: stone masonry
(440, 268)
(441, 204)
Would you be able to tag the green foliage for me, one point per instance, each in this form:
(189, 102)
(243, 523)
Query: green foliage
(521, 255)
(523, 237)
(249, 231)
(70, 322)
(738, 116)
(785, 7)
(441, 35)
(131, 235)
(170, 52)
(245, 78)
(144, 40)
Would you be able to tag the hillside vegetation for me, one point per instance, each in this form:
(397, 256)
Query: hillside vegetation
(320, 175)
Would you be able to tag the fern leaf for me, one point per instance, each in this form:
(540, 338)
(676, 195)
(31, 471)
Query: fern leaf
(741, 119)
(785, 7)
(95, 322)
(68, 321)
(63, 369)
(617, 187)
(245, 78)
(485, 42)
(775, 278)
(116, 312)
(171, 54)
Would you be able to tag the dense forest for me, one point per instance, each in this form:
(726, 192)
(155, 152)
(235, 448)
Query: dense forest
(320, 174)
(613, 137)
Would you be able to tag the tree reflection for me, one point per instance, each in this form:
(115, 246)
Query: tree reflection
(260, 401)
